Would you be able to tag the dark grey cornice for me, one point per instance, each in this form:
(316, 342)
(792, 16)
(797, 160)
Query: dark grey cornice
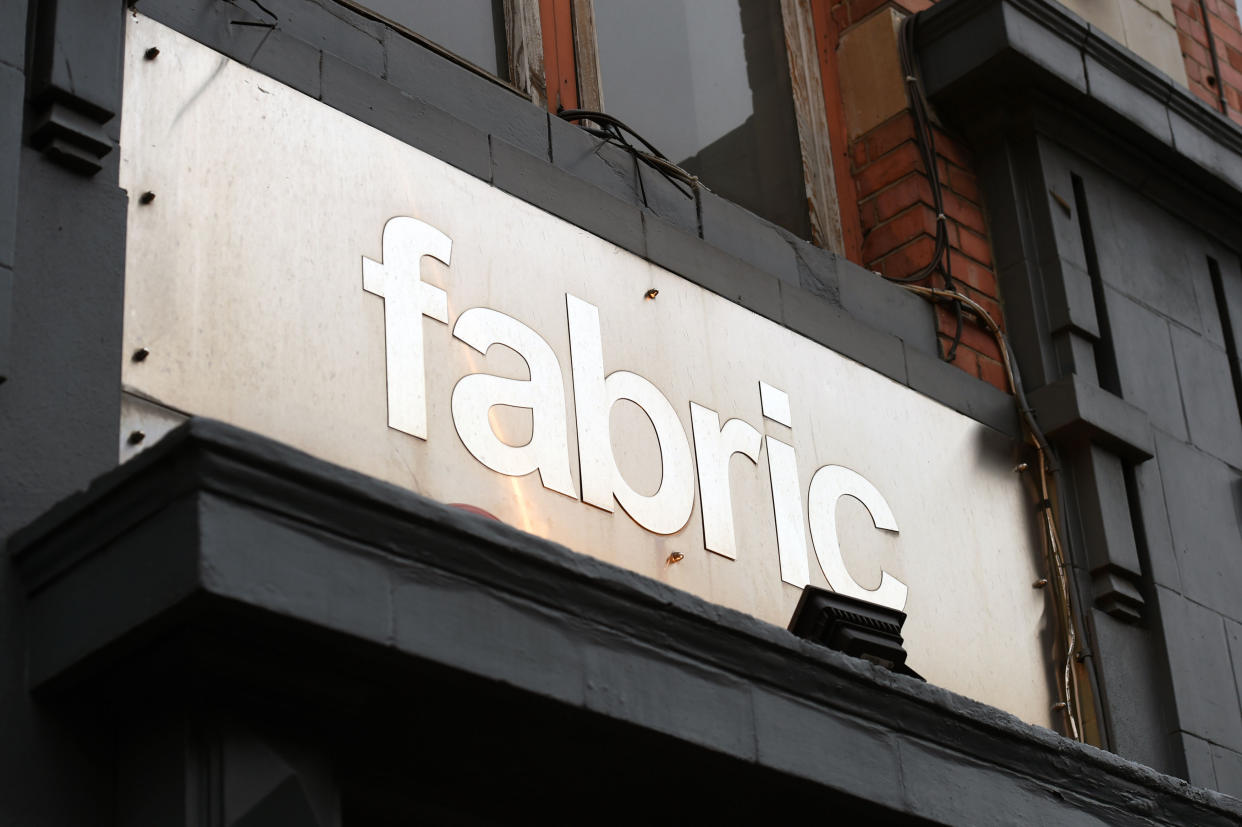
(971, 49)
(219, 532)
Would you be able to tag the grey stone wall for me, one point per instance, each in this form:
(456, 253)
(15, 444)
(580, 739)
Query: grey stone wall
(1116, 200)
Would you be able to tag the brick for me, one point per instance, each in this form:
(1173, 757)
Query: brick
(840, 14)
(1193, 49)
(1190, 24)
(867, 217)
(972, 273)
(1233, 98)
(1195, 73)
(1235, 57)
(906, 192)
(953, 150)
(909, 258)
(1229, 16)
(964, 183)
(889, 135)
(897, 231)
(988, 303)
(858, 155)
(993, 372)
(1225, 34)
(964, 212)
(1203, 94)
(974, 335)
(883, 171)
(975, 246)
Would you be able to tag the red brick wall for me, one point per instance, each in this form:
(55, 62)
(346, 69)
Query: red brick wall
(896, 219)
(899, 225)
(1192, 33)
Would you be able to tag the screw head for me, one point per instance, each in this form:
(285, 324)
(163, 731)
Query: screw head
(151, 54)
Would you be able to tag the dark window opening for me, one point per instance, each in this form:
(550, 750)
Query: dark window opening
(471, 29)
(1227, 322)
(1105, 355)
(707, 83)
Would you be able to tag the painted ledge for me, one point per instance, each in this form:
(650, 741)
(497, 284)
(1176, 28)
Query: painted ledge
(293, 566)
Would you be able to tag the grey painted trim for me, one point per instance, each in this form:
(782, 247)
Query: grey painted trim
(968, 47)
(1071, 409)
(75, 67)
(489, 131)
(215, 521)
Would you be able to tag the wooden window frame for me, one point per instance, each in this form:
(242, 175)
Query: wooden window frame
(573, 56)
(553, 61)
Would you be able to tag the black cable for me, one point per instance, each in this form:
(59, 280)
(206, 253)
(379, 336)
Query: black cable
(926, 140)
(614, 131)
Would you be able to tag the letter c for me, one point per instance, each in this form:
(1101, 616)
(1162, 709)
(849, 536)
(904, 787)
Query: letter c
(830, 484)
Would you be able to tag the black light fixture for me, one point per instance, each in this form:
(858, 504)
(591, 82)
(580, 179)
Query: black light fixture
(853, 626)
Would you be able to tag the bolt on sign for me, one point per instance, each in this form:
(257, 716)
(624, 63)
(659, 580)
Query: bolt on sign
(308, 277)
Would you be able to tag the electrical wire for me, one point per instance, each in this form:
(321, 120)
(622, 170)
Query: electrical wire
(614, 131)
(941, 261)
(1058, 569)
(1055, 561)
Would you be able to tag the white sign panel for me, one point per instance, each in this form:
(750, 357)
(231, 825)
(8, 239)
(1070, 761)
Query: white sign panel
(303, 275)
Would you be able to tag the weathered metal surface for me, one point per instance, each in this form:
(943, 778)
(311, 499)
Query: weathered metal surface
(245, 279)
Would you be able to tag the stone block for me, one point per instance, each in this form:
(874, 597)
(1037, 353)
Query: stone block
(867, 57)
(1204, 501)
(1145, 363)
(1205, 695)
(1207, 391)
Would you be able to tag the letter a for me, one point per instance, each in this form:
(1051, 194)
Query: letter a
(407, 298)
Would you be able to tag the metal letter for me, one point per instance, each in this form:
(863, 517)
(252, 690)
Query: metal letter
(407, 298)
(830, 484)
(544, 394)
(775, 404)
(787, 506)
(668, 510)
(713, 448)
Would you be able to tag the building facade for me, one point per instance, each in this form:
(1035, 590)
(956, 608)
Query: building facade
(281, 546)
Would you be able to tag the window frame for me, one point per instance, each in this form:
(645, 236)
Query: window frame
(553, 61)
(523, 46)
(810, 111)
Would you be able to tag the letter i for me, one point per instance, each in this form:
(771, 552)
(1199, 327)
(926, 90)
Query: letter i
(786, 492)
